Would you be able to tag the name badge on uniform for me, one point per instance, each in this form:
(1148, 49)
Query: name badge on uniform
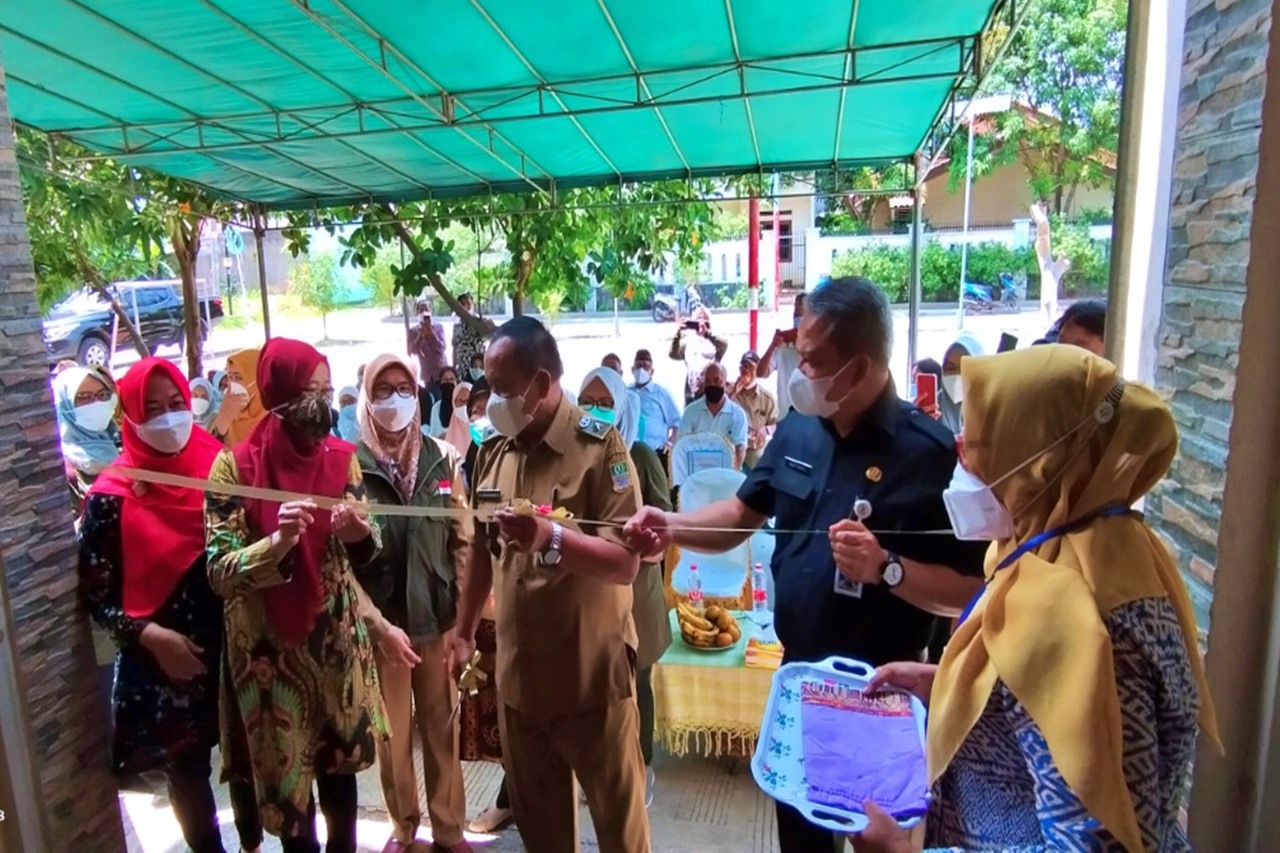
(846, 587)
(488, 495)
(445, 489)
(620, 473)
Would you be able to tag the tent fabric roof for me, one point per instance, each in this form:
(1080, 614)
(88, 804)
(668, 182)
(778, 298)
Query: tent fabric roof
(295, 103)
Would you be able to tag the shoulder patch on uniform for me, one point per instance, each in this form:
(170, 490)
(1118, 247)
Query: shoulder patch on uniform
(934, 429)
(593, 427)
(620, 474)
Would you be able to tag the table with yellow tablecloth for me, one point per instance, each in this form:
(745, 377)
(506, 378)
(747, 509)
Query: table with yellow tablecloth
(710, 702)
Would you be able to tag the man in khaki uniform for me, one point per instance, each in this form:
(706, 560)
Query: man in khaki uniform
(760, 406)
(566, 639)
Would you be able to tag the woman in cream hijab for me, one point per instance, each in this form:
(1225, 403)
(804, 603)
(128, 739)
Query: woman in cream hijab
(1063, 714)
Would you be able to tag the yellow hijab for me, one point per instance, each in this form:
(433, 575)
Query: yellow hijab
(246, 362)
(1039, 624)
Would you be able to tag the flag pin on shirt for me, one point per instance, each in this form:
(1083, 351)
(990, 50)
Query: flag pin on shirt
(874, 474)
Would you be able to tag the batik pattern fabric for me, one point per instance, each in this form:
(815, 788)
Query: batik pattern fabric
(292, 712)
(153, 720)
(1003, 790)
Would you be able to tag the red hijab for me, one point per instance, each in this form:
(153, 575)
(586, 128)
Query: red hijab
(162, 529)
(271, 458)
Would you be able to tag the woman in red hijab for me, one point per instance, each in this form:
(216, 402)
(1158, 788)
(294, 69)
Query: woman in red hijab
(300, 631)
(142, 570)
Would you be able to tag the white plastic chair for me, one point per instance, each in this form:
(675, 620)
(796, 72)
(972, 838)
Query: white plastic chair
(702, 451)
(723, 575)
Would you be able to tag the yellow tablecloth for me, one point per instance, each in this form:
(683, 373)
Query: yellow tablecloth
(709, 702)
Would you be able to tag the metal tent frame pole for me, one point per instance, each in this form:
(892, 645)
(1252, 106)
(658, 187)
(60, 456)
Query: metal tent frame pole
(260, 229)
(753, 268)
(913, 285)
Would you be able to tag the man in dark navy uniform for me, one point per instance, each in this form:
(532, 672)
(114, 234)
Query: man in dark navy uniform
(853, 459)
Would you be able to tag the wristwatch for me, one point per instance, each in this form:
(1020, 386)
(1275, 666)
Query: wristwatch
(892, 573)
(551, 556)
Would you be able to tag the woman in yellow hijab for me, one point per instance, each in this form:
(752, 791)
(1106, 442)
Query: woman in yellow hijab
(1063, 713)
(241, 408)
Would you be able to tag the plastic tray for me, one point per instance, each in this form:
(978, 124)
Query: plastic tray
(778, 763)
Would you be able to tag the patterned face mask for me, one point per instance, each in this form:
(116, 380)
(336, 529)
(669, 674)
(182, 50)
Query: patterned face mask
(309, 415)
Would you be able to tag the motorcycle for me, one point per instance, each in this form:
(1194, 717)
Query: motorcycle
(667, 308)
(978, 298)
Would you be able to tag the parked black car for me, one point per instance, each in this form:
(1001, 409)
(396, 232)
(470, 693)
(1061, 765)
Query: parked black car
(80, 326)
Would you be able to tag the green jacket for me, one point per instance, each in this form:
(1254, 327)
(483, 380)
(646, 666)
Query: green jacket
(414, 580)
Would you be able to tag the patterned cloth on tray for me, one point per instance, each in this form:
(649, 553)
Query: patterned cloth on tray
(860, 747)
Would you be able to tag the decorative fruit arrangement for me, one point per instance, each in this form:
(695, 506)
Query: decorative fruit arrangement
(714, 628)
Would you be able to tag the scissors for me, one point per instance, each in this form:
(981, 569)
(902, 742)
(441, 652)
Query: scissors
(469, 683)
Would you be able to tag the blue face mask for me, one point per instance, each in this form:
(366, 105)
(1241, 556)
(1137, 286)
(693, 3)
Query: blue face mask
(796, 321)
(478, 429)
(607, 415)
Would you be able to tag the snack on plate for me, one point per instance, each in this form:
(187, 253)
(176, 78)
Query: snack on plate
(524, 506)
(713, 628)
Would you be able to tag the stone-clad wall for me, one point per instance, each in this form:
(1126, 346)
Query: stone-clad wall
(1216, 162)
(56, 667)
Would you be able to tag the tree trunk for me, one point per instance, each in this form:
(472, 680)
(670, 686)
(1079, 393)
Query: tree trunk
(99, 285)
(517, 303)
(186, 245)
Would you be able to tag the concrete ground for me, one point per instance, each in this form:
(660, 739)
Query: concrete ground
(700, 805)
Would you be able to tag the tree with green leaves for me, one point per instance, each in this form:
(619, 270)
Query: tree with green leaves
(93, 221)
(317, 282)
(556, 247)
(1063, 66)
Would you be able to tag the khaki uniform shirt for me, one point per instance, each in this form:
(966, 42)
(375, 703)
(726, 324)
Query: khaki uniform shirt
(761, 409)
(566, 643)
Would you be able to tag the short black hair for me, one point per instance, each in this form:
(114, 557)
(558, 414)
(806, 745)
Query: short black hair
(1088, 314)
(858, 312)
(929, 365)
(535, 347)
(479, 390)
(800, 299)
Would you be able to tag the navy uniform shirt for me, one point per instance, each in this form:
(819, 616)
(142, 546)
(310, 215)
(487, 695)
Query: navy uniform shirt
(900, 460)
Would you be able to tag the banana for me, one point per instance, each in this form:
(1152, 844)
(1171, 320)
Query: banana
(687, 615)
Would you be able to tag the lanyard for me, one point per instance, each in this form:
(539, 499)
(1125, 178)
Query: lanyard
(1036, 541)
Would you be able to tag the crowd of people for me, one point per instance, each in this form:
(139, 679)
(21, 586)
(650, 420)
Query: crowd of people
(309, 638)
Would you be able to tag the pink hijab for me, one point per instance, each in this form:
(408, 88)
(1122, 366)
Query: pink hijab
(459, 432)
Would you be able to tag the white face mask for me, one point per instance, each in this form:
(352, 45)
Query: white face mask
(641, 375)
(809, 396)
(976, 514)
(237, 388)
(199, 406)
(95, 417)
(396, 413)
(167, 433)
(954, 387)
(507, 415)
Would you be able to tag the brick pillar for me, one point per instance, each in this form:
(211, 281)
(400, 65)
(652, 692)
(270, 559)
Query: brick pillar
(1213, 195)
(48, 636)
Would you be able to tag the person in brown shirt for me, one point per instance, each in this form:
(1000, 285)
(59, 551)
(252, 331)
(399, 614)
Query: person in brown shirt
(760, 405)
(566, 640)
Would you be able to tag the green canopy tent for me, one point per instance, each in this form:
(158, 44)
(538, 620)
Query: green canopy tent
(302, 103)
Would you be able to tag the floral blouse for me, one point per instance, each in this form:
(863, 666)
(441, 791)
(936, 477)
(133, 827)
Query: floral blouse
(293, 712)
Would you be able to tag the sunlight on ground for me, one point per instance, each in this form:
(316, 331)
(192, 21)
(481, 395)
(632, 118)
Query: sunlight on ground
(157, 829)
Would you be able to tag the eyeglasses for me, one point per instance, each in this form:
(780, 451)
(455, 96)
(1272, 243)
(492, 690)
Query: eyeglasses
(382, 392)
(85, 398)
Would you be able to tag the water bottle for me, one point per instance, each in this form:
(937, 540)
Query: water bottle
(695, 588)
(759, 592)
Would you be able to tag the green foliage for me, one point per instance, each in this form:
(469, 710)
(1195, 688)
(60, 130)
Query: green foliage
(380, 278)
(850, 196)
(1065, 63)
(555, 249)
(92, 221)
(890, 266)
(317, 283)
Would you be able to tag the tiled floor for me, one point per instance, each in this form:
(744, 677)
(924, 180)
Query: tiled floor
(699, 805)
